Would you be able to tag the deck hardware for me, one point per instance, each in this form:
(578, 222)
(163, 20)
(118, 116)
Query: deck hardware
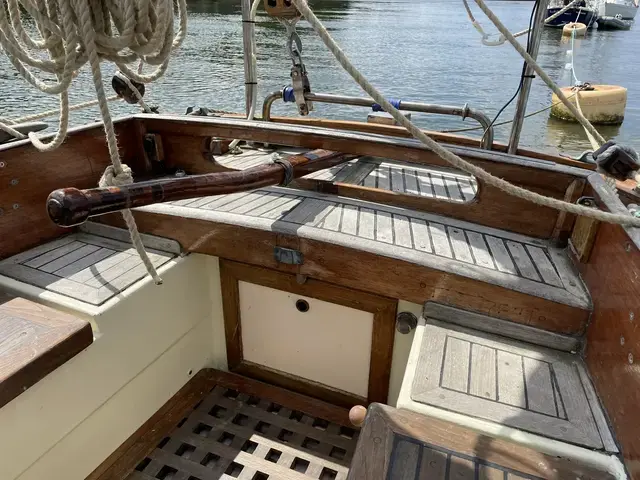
(587, 202)
(618, 161)
(584, 231)
(627, 247)
(300, 85)
(630, 358)
(288, 256)
(631, 316)
(406, 322)
(2, 164)
(621, 340)
(14, 182)
(16, 206)
(302, 306)
(286, 95)
(152, 144)
(123, 90)
(281, 8)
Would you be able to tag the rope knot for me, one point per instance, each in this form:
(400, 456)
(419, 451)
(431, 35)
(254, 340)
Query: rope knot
(112, 179)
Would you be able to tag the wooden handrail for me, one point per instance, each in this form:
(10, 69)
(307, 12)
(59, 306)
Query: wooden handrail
(70, 206)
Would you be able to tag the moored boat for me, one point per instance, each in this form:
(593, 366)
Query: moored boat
(578, 13)
(625, 10)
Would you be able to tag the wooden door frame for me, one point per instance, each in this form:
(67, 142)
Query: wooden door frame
(384, 313)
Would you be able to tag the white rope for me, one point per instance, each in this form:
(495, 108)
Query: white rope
(494, 43)
(444, 153)
(51, 113)
(72, 33)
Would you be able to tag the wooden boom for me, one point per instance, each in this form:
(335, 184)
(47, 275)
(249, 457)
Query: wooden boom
(70, 206)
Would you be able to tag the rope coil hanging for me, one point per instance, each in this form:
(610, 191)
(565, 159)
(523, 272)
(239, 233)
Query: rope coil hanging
(71, 33)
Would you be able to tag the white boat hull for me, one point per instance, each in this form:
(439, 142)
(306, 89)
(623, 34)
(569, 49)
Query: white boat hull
(626, 12)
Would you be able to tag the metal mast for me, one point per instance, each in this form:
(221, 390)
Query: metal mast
(248, 32)
(521, 106)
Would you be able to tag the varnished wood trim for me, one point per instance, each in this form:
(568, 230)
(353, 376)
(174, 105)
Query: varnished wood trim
(34, 341)
(383, 309)
(514, 168)
(490, 207)
(299, 385)
(368, 272)
(311, 288)
(145, 439)
(418, 284)
(231, 312)
(78, 162)
(397, 131)
(565, 221)
(371, 459)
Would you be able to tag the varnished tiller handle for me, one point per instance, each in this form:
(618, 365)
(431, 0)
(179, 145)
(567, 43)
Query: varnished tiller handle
(70, 206)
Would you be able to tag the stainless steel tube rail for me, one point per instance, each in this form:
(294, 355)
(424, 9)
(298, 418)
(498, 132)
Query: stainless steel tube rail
(464, 112)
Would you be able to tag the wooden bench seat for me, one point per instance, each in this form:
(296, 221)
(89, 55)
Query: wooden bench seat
(418, 180)
(400, 444)
(92, 266)
(34, 341)
(510, 275)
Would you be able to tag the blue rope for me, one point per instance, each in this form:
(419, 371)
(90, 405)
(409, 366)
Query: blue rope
(396, 103)
(287, 94)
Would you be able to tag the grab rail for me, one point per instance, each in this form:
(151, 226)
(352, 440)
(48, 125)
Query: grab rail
(464, 112)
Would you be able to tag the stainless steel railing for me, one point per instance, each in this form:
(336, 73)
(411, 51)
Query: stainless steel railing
(463, 112)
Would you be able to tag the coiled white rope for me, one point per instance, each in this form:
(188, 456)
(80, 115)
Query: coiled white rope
(445, 154)
(71, 33)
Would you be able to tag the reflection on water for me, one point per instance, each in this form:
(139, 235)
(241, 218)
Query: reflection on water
(419, 50)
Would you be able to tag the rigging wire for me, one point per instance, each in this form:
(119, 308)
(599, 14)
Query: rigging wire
(524, 69)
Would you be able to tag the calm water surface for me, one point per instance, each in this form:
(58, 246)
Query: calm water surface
(418, 50)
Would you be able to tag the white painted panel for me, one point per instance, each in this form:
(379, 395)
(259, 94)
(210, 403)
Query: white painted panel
(329, 344)
(132, 333)
(114, 421)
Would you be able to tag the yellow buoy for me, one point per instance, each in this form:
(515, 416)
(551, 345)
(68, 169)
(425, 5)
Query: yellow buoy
(580, 29)
(604, 104)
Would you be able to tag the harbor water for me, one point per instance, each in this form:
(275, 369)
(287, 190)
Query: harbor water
(418, 50)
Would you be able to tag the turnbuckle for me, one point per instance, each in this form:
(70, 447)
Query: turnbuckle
(299, 78)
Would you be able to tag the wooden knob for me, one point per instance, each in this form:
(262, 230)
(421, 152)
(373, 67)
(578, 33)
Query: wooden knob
(356, 415)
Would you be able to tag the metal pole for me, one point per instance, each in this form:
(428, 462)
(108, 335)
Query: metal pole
(521, 106)
(463, 112)
(248, 32)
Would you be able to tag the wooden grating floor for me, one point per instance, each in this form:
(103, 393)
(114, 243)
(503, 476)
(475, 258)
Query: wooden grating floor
(242, 429)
